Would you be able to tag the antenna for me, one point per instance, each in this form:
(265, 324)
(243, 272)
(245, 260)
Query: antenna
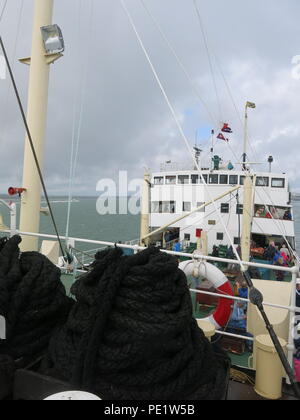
(198, 152)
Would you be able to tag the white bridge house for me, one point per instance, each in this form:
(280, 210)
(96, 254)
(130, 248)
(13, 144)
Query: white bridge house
(174, 193)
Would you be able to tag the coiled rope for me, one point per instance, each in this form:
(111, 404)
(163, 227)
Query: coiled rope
(131, 333)
(32, 300)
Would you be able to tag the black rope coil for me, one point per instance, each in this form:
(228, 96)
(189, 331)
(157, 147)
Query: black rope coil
(32, 299)
(131, 334)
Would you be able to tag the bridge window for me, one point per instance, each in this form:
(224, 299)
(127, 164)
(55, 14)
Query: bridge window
(170, 180)
(223, 179)
(278, 182)
(233, 179)
(195, 179)
(220, 236)
(205, 177)
(262, 181)
(213, 179)
(159, 180)
(183, 179)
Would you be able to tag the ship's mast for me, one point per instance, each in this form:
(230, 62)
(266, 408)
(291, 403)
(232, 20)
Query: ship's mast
(248, 105)
(36, 118)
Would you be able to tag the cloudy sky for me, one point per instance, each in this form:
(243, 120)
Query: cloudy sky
(126, 124)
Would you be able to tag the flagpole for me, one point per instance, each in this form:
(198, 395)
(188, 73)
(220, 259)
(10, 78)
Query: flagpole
(245, 137)
(212, 147)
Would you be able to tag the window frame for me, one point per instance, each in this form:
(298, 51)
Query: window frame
(211, 177)
(225, 205)
(223, 183)
(277, 179)
(190, 206)
(262, 178)
(181, 177)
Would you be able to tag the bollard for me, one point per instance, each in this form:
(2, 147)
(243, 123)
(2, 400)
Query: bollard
(269, 370)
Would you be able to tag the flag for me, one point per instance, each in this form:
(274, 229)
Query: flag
(251, 105)
(226, 128)
(221, 137)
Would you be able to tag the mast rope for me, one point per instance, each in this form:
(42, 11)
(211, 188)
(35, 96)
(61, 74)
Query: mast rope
(33, 301)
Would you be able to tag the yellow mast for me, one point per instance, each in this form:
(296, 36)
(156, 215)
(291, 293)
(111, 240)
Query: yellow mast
(36, 118)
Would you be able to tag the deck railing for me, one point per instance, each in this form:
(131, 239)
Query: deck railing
(294, 271)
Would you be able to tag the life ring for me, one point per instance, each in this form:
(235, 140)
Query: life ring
(220, 282)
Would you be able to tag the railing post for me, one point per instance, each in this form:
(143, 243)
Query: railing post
(13, 219)
(291, 345)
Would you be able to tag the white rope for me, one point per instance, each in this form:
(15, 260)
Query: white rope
(180, 63)
(179, 127)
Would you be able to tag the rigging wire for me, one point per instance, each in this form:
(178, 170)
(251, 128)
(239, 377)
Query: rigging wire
(209, 57)
(76, 143)
(3, 10)
(180, 63)
(32, 146)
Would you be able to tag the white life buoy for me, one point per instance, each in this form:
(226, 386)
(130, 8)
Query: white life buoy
(220, 282)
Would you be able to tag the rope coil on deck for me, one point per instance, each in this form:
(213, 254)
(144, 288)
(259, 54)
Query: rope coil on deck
(32, 300)
(131, 334)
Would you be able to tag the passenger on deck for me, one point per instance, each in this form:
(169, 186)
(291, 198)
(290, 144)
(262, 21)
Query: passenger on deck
(287, 215)
(215, 252)
(281, 263)
(243, 290)
(238, 322)
(238, 318)
(177, 246)
(285, 250)
(270, 252)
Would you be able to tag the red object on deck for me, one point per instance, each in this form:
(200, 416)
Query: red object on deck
(198, 233)
(15, 191)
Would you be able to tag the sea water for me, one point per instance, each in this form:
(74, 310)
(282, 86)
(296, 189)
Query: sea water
(87, 223)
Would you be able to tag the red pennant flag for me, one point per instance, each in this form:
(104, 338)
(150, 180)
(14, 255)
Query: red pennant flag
(226, 128)
(221, 137)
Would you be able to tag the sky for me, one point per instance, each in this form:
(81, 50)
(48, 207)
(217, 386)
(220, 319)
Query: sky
(122, 120)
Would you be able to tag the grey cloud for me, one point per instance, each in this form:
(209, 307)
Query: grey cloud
(126, 123)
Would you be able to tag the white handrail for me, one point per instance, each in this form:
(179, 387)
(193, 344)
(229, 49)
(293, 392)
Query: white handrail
(294, 269)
